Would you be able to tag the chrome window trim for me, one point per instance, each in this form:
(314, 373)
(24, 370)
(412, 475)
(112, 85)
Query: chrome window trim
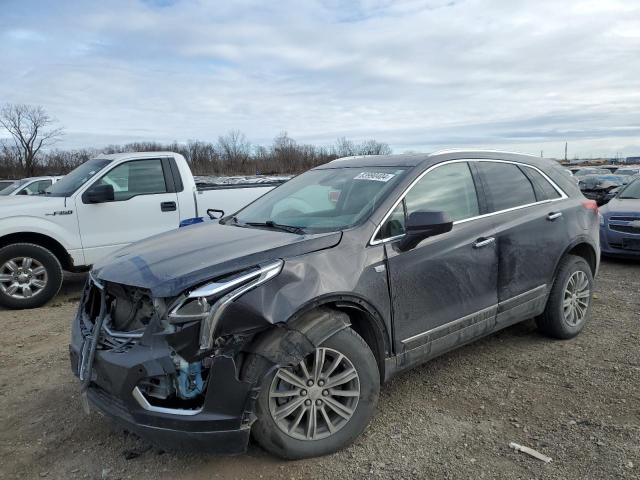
(563, 195)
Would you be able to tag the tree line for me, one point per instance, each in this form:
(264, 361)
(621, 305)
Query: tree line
(29, 150)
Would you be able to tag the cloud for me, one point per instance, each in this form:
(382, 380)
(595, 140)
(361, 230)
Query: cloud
(418, 74)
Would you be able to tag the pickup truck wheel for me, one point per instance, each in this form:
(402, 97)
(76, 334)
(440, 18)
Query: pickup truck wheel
(569, 303)
(320, 405)
(30, 276)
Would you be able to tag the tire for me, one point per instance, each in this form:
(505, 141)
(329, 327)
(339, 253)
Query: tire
(270, 434)
(42, 274)
(556, 321)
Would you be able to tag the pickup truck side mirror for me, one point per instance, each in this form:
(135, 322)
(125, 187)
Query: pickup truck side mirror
(421, 225)
(99, 194)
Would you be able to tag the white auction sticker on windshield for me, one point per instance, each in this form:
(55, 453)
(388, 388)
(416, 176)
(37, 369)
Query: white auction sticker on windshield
(375, 176)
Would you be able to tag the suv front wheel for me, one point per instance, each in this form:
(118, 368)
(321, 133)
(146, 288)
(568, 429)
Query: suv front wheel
(322, 404)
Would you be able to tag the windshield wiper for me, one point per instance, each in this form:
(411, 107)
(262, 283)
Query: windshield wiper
(277, 226)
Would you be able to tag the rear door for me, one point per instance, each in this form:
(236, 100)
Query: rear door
(531, 234)
(145, 204)
(445, 289)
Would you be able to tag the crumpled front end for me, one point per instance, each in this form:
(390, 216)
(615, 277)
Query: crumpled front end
(150, 376)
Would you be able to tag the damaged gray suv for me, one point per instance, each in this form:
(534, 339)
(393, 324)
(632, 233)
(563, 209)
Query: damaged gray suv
(283, 320)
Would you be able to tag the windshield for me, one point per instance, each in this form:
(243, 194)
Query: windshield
(631, 191)
(627, 171)
(323, 200)
(13, 187)
(78, 177)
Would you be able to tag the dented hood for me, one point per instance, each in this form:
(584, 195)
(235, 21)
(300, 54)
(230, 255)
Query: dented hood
(172, 262)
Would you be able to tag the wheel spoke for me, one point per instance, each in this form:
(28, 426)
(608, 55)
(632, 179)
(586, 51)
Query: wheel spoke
(299, 416)
(26, 262)
(327, 420)
(291, 378)
(312, 424)
(344, 393)
(566, 303)
(336, 361)
(342, 410)
(318, 363)
(288, 408)
(13, 288)
(286, 393)
(38, 283)
(342, 378)
(26, 291)
(6, 278)
(38, 271)
(305, 369)
(11, 265)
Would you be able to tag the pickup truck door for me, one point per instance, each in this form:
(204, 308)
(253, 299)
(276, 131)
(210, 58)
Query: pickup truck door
(145, 204)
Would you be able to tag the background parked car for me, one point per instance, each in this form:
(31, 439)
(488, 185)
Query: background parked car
(620, 222)
(584, 171)
(597, 187)
(5, 183)
(29, 186)
(628, 171)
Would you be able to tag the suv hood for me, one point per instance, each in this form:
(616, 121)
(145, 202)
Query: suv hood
(170, 263)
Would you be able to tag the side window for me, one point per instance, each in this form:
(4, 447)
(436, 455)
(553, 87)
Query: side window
(506, 185)
(449, 188)
(394, 225)
(544, 190)
(36, 187)
(138, 177)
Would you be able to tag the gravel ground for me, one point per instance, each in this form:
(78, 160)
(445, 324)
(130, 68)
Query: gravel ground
(577, 401)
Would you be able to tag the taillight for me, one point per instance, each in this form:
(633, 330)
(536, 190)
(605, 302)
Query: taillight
(590, 205)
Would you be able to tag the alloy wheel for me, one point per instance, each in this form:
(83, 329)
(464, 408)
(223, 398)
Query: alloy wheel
(576, 298)
(22, 277)
(316, 398)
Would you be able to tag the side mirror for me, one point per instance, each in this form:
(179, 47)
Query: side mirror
(421, 225)
(99, 194)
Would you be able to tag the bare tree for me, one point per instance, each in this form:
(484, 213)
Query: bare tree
(234, 148)
(31, 128)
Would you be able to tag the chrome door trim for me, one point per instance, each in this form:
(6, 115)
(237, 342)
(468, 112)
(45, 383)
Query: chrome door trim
(495, 308)
(563, 196)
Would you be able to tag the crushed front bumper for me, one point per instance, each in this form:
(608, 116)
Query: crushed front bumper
(219, 423)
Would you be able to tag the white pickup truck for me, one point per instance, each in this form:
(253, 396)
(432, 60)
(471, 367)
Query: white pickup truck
(101, 206)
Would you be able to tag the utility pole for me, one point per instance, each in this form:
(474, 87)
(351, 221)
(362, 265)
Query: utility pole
(565, 151)
(541, 153)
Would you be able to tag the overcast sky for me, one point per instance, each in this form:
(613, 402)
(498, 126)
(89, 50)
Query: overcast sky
(419, 75)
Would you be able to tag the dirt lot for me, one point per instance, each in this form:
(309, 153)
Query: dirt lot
(577, 401)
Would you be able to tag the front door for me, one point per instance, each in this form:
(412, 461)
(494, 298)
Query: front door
(143, 206)
(445, 287)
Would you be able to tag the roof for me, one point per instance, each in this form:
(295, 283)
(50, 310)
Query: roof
(426, 159)
(127, 155)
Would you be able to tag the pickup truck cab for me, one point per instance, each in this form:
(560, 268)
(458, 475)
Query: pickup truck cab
(101, 206)
(28, 186)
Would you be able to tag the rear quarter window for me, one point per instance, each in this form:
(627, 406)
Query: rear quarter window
(506, 186)
(543, 189)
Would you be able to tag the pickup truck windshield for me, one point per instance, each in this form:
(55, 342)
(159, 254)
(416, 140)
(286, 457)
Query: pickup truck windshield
(78, 177)
(13, 187)
(322, 200)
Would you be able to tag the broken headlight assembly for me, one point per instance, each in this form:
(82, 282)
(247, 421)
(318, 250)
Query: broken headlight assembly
(208, 302)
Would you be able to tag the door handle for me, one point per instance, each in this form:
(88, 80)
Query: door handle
(168, 206)
(483, 242)
(553, 215)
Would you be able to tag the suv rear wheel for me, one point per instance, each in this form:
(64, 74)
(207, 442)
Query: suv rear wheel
(30, 276)
(322, 404)
(569, 303)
